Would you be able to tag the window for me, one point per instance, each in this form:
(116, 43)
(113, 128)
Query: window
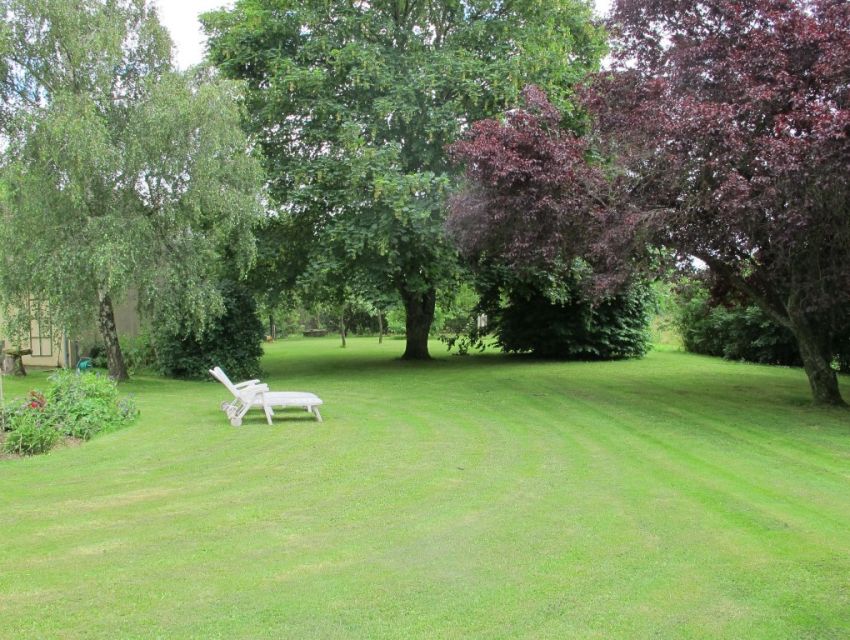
(41, 330)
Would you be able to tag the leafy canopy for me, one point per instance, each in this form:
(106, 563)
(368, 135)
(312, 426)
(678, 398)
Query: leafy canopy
(354, 103)
(531, 200)
(730, 121)
(119, 172)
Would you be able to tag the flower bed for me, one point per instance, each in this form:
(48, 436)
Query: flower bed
(75, 407)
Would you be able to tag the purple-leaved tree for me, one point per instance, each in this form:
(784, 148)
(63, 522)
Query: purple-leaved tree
(532, 200)
(730, 120)
(725, 129)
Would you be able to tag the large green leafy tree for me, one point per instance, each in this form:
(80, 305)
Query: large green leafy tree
(354, 103)
(119, 172)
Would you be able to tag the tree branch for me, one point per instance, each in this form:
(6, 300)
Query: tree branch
(777, 312)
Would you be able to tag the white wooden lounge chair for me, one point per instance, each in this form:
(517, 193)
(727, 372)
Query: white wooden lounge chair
(253, 393)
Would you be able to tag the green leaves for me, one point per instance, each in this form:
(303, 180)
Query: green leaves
(355, 103)
(123, 174)
(80, 406)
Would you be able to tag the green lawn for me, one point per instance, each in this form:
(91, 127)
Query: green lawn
(488, 497)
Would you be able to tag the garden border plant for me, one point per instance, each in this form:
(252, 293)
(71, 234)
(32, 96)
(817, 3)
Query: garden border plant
(75, 406)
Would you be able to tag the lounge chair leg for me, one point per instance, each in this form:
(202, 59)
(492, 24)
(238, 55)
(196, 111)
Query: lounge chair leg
(236, 415)
(318, 415)
(269, 413)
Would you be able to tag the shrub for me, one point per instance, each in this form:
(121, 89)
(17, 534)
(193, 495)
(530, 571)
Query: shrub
(31, 432)
(30, 428)
(85, 405)
(576, 329)
(458, 310)
(396, 322)
(138, 351)
(233, 342)
(738, 331)
(360, 321)
(551, 314)
(288, 321)
(78, 405)
(732, 331)
(97, 354)
(7, 414)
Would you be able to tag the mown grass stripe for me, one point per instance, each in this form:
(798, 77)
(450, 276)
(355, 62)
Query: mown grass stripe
(468, 497)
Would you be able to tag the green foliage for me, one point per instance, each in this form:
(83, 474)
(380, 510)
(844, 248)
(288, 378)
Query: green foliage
(76, 405)
(83, 405)
(133, 175)
(456, 312)
(139, 353)
(97, 354)
(395, 320)
(577, 328)
(361, 320)
(552, 314)
(30, 432)
(6, 415)
(232, 342)
(288, 321)
(343, 305)
(733, 331)
(742, 332)
(666, 308)
(354, 104)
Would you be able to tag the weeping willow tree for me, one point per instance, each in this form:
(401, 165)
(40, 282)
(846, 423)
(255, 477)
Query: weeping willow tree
(119, 172)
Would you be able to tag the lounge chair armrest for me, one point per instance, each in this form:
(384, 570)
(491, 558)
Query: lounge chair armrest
(247, 383)
(257, 388)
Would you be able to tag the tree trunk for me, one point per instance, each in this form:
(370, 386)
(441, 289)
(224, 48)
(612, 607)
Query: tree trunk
(420, 315)
(342, 329)
(106, 323)
(817, 360)
(814, 344)
(380, 328)
(272, 328)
